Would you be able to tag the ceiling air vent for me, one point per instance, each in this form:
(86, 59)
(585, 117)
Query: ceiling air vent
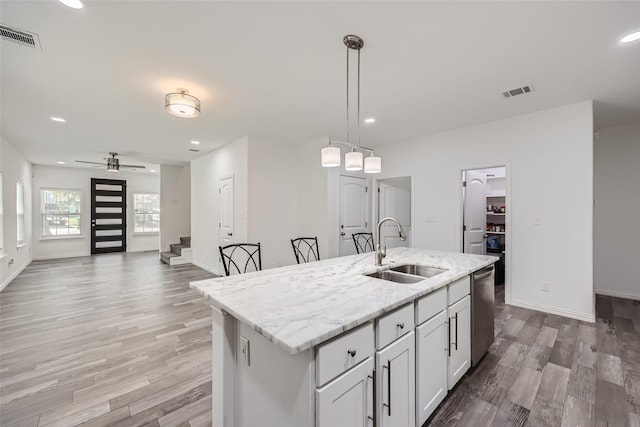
(194, 150)
(518, 91)
(21, 37)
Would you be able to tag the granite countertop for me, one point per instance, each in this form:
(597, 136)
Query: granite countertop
(299, 306)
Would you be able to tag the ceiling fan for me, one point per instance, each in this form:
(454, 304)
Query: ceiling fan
(113, 163)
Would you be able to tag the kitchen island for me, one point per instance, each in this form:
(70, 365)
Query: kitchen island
(297, 345)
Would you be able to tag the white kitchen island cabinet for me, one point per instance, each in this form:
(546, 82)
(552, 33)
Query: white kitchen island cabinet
(460, 340)
(347, 401)
(431, 365)
(298, 346)
(395, 368)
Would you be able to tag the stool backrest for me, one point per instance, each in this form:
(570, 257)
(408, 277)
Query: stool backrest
(241, 258)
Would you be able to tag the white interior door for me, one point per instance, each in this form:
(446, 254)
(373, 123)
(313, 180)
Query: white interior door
(225, 198)
(394, 200)
(353, 211)
(474, 212)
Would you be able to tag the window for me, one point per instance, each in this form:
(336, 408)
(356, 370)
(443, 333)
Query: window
(20, 213)
(60, 210)
(146, 213)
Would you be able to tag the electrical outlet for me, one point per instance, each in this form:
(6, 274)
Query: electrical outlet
(244, 350)
(545, 286)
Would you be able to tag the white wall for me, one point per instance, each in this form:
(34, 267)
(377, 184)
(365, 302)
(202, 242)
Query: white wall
(616, 234)
(205, 172)
(273, 201)
(80, 178)
(15, 167)
(313, 194)
(549, 160)
(175, 204)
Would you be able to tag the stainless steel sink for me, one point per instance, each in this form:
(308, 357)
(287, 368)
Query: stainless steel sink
(392, 276)
(418, 270)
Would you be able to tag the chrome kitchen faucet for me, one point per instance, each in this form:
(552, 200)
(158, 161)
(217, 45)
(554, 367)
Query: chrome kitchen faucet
(383, 253)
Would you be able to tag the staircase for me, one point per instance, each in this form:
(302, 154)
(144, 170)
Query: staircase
(180, 253)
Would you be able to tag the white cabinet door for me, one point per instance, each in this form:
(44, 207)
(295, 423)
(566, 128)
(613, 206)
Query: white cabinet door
(431, 364)
(459, 339)
(396, 383)
(347, 401)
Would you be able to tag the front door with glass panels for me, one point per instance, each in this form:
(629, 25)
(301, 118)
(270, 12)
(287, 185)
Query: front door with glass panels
(108, 215)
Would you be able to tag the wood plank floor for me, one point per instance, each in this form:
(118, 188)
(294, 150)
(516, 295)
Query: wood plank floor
(120, 339)
(546, 370)
(114, 339)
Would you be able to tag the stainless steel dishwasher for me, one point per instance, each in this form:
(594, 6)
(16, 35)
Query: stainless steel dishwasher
(482, 321)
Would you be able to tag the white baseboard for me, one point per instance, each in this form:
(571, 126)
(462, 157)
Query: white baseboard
(60, 256)
(585, 317)
(617, 294)
(207, 268)
(14, 274)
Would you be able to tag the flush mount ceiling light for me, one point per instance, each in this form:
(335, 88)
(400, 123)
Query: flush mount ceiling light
(58, 119)
(630, 37)
(354, 159)
(74, 4)
(195, 142)
(182, 104)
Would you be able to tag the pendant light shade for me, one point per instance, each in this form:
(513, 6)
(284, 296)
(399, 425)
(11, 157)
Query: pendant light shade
(182, 104)
(353, 161)
(372, 164)
(330, 156)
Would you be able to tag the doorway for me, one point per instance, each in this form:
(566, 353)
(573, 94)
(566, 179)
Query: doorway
(485, 213)
(394, 200)
(108, 215)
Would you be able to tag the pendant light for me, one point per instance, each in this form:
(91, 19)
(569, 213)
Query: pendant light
(372, 164)
(354, 160)
(330, 156)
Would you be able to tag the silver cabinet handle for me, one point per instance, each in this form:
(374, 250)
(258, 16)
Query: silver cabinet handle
(449, 336)
(373, 392)
(456, 331)
(342, 233)
(352, 353)
(388, 387)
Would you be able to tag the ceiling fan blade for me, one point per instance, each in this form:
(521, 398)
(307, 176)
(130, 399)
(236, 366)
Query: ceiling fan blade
(133, 166)
(92, 163)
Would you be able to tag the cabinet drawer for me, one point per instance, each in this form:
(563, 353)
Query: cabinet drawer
(430, 305)
(394, 325)
(335, 357)
(459, 289)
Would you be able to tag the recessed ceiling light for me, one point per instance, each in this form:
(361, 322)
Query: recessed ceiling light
(75, 4)
(370, 120)
(60, 163)
(195, 142)
(630, 37)
(152, 170)
(58, 119)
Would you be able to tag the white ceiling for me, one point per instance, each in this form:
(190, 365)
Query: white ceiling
(277, 70)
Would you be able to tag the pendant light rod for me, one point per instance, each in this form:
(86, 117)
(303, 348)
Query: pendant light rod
(353, 42)
(359, 96)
